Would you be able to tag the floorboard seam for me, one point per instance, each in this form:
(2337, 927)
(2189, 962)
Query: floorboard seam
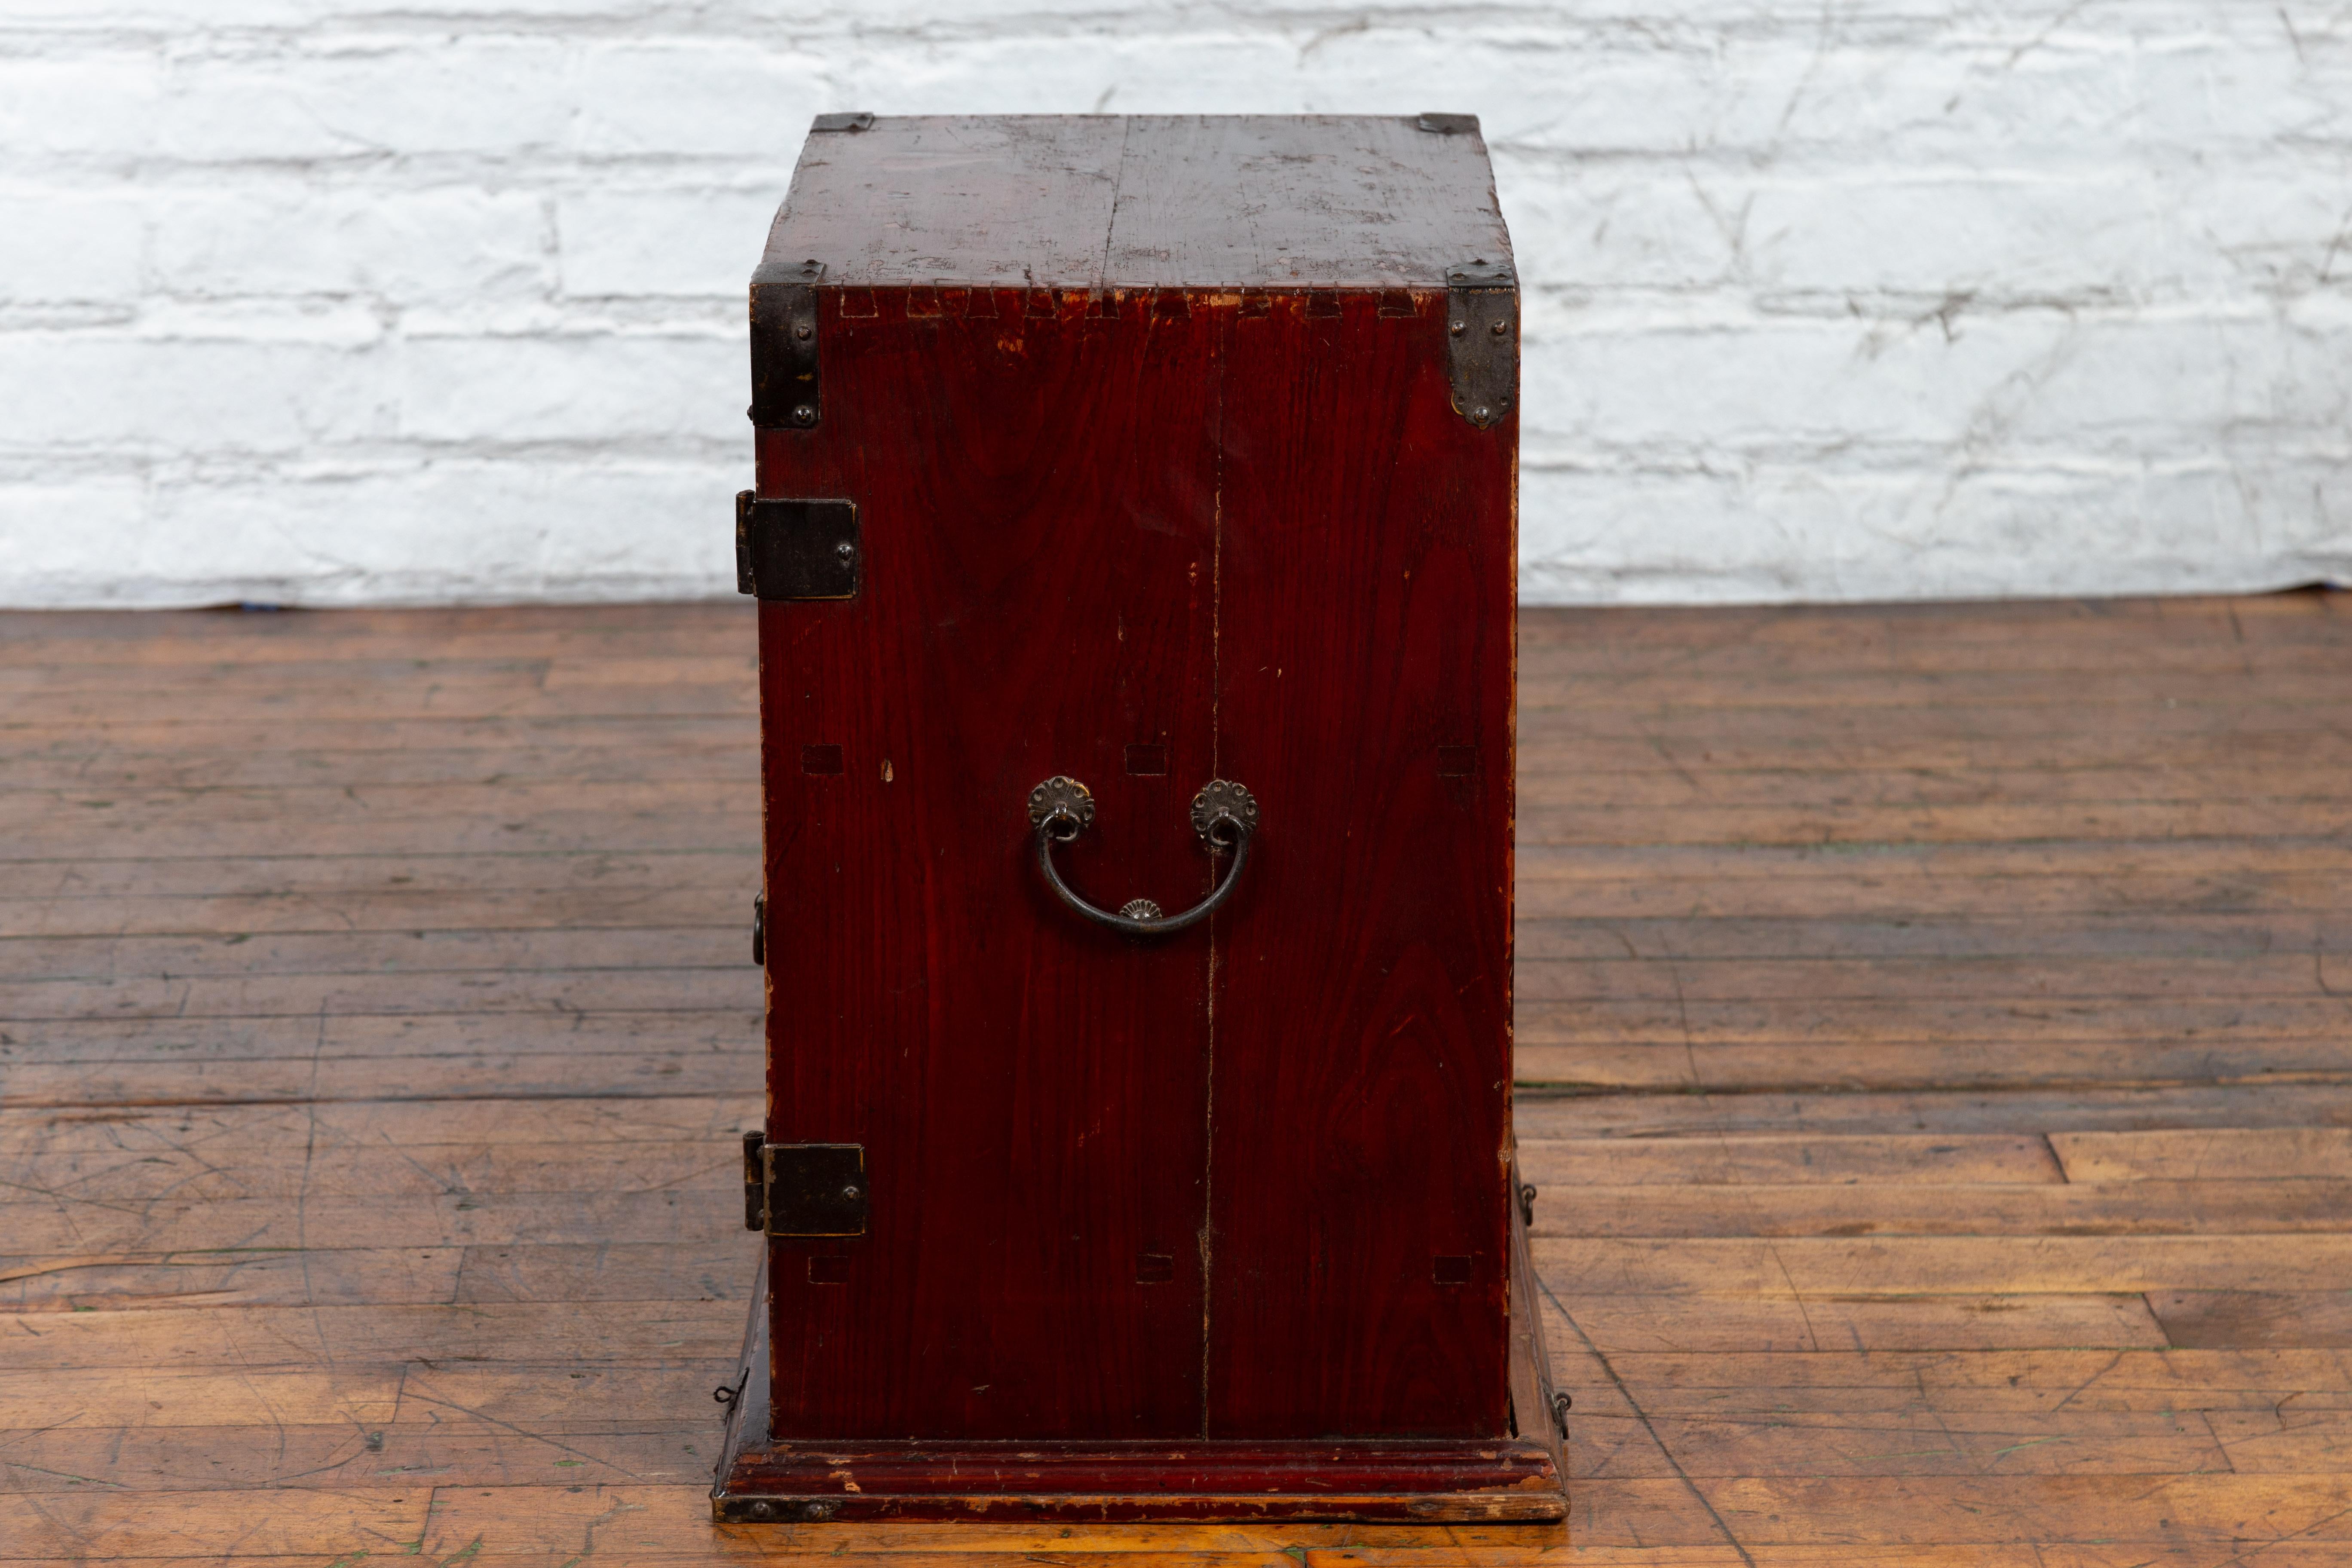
(1644, 1417)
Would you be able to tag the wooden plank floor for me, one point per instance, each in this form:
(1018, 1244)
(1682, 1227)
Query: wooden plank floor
(1934, 1032)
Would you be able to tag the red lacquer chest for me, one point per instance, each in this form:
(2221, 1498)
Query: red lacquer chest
(1134, 542)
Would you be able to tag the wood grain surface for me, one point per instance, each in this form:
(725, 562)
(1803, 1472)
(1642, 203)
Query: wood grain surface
(1039, 502)
(1362, 1006)
(1932, 1057)
(1113, 201)
(1247, 1182)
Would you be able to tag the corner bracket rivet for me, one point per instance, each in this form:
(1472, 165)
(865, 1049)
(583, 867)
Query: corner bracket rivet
(1482, 351)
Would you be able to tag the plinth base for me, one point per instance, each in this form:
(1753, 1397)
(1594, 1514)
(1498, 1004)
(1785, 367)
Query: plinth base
(1519, 1477)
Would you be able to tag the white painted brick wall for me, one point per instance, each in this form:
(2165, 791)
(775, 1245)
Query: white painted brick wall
(316, 301)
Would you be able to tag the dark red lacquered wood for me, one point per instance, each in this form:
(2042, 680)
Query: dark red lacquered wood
(1362, 1047)
(1217, 1223)
(1036, 485)
(1513, 1478)
(1343, 1468)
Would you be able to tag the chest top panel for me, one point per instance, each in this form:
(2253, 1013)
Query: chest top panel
(1143, 202)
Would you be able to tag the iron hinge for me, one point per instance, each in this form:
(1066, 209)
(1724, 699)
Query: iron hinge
(857, 120)
(1447, 124)
(797, 549)
(1481, 344)
(786, 392)
(803, 1189)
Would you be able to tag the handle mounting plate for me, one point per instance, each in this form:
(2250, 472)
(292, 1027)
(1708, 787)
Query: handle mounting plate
(1064, 798)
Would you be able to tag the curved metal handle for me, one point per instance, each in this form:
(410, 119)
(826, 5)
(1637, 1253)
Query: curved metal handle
(1224, 814)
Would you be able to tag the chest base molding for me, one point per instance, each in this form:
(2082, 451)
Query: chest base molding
(1497, 1481)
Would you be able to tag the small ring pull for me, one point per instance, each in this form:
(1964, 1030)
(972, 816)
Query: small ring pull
(1224, 815)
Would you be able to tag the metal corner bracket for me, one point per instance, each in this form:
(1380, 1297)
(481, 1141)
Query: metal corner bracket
(786, 392)
(1482, 341)
(797, 548)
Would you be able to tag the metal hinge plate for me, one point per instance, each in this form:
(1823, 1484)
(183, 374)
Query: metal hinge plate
(786, 392)
(803, 1189)
(1481, 344)
(797, 548)
(1447, 124)
(855, 120)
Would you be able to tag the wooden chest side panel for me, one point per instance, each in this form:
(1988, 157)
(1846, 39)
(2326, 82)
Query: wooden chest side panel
(1361, 1009)
(1035, 487)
